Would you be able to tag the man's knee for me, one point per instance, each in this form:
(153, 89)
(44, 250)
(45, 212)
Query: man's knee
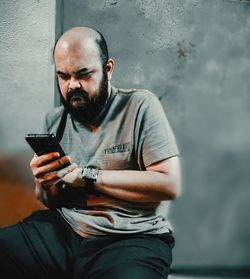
(134, 270)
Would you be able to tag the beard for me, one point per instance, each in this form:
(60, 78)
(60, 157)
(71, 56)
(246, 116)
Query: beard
(84, 108)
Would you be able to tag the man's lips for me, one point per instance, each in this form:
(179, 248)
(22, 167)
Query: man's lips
(77, 100)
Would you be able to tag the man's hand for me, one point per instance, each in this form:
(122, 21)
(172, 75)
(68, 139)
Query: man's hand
(44, 168)
(44, 171)
(74, 178)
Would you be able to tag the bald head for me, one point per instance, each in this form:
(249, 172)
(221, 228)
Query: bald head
(82, 37)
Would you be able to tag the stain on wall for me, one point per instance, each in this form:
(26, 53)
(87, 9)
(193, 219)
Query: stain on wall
(195, 56)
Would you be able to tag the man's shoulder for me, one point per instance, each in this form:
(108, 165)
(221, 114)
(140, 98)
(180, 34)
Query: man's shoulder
(139, 94)
(53, 117)
(134, 91)
(55, 113)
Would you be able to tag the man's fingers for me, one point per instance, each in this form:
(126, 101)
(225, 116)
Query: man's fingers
(50, 167)
(48, 179)
(52, 178)
(65, 171)
(38, 161)
(53, 166)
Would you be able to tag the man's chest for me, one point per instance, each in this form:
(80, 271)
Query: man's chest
(110, 147)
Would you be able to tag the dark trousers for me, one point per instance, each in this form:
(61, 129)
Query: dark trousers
(44, 246)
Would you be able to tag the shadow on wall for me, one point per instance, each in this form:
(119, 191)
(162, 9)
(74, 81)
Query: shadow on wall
(17, 198)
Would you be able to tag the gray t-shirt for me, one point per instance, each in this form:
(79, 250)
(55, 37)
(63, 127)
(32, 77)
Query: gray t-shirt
(133, 133)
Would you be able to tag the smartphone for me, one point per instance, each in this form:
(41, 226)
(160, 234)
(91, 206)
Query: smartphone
(45, 143)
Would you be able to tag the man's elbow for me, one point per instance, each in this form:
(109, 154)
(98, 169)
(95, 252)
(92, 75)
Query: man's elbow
(173, 190)
(175, 193)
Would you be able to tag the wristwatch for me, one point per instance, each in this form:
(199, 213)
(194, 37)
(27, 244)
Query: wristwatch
(89, 176)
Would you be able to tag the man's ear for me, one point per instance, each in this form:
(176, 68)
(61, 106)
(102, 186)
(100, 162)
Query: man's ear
(109, 68)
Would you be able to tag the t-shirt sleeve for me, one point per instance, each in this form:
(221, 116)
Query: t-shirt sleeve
(45, 129)
(156, 140)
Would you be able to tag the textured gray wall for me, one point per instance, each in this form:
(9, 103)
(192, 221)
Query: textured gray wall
(195, 55)
(27, 35)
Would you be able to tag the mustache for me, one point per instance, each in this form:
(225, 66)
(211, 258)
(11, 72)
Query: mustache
(78, 92)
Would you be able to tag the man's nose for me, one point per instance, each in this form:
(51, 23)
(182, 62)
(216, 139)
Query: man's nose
(73, 84)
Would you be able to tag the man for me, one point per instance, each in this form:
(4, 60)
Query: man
(108, 209)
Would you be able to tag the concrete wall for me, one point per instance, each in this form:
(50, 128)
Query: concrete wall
(27, 35)
(195, 56)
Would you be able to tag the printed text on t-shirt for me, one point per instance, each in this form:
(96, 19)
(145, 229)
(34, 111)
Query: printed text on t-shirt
(117, 148)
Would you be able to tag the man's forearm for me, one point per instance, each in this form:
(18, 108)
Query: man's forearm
(161, 181)
(137, 186)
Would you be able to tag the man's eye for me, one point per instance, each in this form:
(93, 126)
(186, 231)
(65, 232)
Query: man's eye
(64, 77)
(84, 75)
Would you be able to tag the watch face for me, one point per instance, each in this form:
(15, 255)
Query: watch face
(91, 173)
